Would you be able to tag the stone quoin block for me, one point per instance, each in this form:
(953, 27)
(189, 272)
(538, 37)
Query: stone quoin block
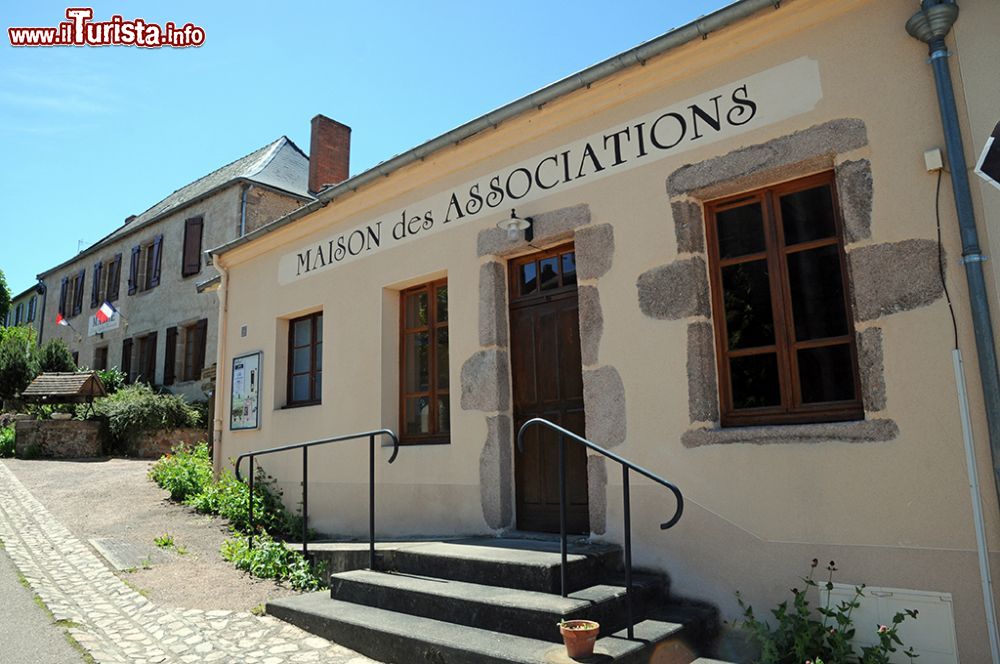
(675, 290)
(492, 305)
(688, 227)
(703, 391)
(855, 191)
(485, 383)
(591, 323)
(871, 368)
(895, 276)
(604, 396)
(864, 431)
(549, 227)
(597, 493)
(758, 165)
(595, 250)
(495, 465)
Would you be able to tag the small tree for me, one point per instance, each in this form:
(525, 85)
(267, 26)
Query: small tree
(18, 365)
(54, 356)
(4, 297)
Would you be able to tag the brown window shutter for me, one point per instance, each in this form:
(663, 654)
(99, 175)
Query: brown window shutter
(62, 296)
(149, 370)
(133, 271)
(192, 246)
(201, 338)
(170, 356)
(157, 256)
(95, 288)
(81, 277)
(115, 278)
(126, 364)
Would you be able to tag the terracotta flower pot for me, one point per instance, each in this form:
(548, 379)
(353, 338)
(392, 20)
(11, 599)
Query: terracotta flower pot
(579, 637)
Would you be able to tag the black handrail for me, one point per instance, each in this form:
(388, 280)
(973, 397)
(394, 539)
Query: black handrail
(627, 511)
(370, 435)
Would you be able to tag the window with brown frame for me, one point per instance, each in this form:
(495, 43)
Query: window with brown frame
(305, 360)
(783, 323)
(424, 408)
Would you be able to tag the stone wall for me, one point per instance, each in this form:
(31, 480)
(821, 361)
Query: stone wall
(155, 444)
(59, 439)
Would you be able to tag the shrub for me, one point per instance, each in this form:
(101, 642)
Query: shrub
(54, 356)
(185, 472)
(7, 441)
(18, 366)
(800, 635)
(229, 498)
(113, 379)
(269, 559)
(135, 409)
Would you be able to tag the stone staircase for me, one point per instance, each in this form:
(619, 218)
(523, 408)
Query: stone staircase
(490, 600)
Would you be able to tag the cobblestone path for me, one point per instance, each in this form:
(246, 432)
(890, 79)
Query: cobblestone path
(117, 624)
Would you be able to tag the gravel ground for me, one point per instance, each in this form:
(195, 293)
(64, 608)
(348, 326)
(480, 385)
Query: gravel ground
(114, 499)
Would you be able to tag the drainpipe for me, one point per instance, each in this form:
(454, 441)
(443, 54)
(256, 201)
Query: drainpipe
(42, 290)
(931, 25)
(221, 369)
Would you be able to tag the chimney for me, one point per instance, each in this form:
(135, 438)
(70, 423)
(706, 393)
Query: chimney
(129, 219)
(329, 153)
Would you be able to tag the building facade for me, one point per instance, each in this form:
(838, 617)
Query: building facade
(734, 280)
(24, 310)
(164, 328)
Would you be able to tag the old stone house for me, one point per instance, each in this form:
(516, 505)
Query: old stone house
(164, 331)
(24, 309)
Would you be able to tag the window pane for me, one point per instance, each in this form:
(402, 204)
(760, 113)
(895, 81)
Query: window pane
(528, 282)
(444, 414)
(300, 388)
(755, 381)
(808, 215)
(416, 310)
(746, 294)
(826, 374)
(417, 369)
(442, 304)
(318, 356)
(569, 268)
(741, 231)
(302, 332)
(549, 273)
(319, 328)
(318, 386)
(817, 293)
(301, 359)
(418, 415)
(442, 358)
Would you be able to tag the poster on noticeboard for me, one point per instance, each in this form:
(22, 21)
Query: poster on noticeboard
(244, 410)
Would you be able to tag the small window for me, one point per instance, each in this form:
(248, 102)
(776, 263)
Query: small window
(144, 368)
(32, 308)
(425, 411)
(783, 323)
(305, 360)
(144, 270)
(101, 358)
(194, 350)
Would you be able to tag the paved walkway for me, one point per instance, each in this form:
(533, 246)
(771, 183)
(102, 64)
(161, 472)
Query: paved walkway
(114, 623)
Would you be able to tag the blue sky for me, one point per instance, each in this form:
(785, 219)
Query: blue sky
(92, 135)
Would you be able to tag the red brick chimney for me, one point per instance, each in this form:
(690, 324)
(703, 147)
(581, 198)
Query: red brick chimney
(329, 153)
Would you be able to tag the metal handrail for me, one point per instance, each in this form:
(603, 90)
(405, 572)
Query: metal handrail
(627, 511)
(370, 435)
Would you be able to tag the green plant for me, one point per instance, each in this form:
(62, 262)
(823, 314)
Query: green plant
(826, 633)
(18, 361)
(185, 472)
(229, 498)
(165, 541)
(7, 441)
(136, 409)
(55, 356)
(113, 379)
(269, 559)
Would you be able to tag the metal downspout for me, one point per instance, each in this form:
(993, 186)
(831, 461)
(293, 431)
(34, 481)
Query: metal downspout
(972, 257)
(41, 288)
(220, 370)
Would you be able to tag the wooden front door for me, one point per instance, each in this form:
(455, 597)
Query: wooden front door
(547, 378)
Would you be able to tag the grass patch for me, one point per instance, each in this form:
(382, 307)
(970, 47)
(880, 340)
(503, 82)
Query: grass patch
(164, 541)
(258, 610)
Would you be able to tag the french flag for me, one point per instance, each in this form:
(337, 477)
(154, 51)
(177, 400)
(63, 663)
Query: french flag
(60, 320)
(105, 313)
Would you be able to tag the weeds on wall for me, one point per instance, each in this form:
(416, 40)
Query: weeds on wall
(136, 409)
(826, 633)
(187, 474)
(7, 441)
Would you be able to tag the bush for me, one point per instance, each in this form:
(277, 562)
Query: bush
(18, 365)
(269, 559)
(54, 356)
(185, 472)
(800, 635)
(113, 379)
(135, 409)
(7, 441)
(229, 499)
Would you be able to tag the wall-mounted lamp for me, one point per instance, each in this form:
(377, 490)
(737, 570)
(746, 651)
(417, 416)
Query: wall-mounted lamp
(515, 225)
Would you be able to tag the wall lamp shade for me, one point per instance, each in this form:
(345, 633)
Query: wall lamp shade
(514, 226)
(933, 22)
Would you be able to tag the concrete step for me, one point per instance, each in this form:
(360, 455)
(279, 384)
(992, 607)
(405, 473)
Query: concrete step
(521, 612)
(400, 638)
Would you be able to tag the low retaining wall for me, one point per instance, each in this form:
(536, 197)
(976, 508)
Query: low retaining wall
(60, 439)
(155, 444)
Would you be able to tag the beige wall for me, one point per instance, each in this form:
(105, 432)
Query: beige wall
(893, 513)
(23, 300)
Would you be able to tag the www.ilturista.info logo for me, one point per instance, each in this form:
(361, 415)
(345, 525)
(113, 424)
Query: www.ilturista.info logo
(80, 30)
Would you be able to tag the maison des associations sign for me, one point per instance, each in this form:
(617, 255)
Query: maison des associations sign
(756, 101)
